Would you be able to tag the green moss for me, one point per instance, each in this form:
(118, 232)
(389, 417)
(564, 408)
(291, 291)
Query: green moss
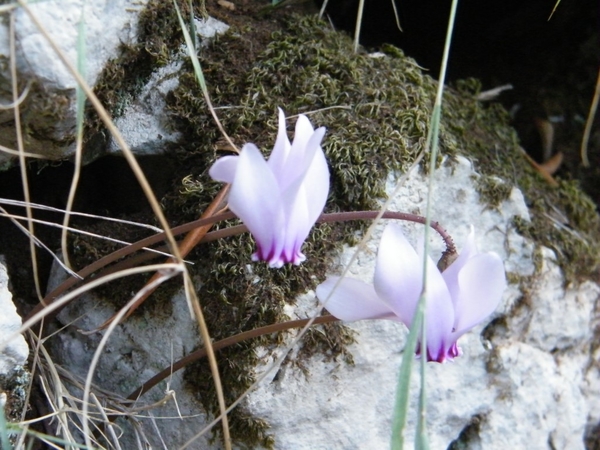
(469, 436)
(563, 218)
(159, 38)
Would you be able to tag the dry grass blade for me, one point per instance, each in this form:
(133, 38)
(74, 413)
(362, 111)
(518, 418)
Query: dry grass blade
(108, 259)
(589, 124)
(17, 153)
(553, 164)
(15, 219)
(217, 206)
(35, 239)
(548, 177)
(22, 97)
(189, 288)
(80, 101)
(11, 202)
(21, 149)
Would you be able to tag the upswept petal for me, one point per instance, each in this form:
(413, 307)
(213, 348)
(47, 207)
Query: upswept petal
(398, 275)
(352, 300)
(224, 169)
(302, 134)
(297, 165)
(316, 185)
(254, 198)
(481, 283)
(305, 200)
(451, 273)
(282, 147)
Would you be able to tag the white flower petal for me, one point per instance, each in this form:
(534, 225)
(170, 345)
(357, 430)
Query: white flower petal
(352, 300)
(302, 134)
(279, 200)
(451, 273)
(299, 161)
(398, 276)
(224, 169)
(316, 185)
(305, 199)
(255, 198)
(481, 282)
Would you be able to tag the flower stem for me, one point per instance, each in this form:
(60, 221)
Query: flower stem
(220, 345)
(212, 236)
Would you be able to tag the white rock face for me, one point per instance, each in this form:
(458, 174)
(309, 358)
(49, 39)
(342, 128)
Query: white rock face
(526, 391)
(145, 122)
(13, 352)
(108, 23)
(136, 351)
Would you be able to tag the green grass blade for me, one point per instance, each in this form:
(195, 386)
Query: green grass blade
(189, 41)
(193, 33)
(403, 389)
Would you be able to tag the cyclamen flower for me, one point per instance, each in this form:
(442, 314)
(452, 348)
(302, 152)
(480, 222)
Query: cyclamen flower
(459, 298)
(279, 200)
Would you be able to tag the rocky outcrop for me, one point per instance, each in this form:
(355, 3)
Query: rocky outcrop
(48, 109)
(525, 379)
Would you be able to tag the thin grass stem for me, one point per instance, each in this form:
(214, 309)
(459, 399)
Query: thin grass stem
(80, 103)
(189, 288)
(357, 27)
(22, 160)
(589, 124)
(419, 321)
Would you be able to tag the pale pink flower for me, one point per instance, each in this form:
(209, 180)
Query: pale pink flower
(279, 200)
(459, 298)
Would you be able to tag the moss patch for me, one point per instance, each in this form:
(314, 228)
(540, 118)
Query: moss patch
(14, 387)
